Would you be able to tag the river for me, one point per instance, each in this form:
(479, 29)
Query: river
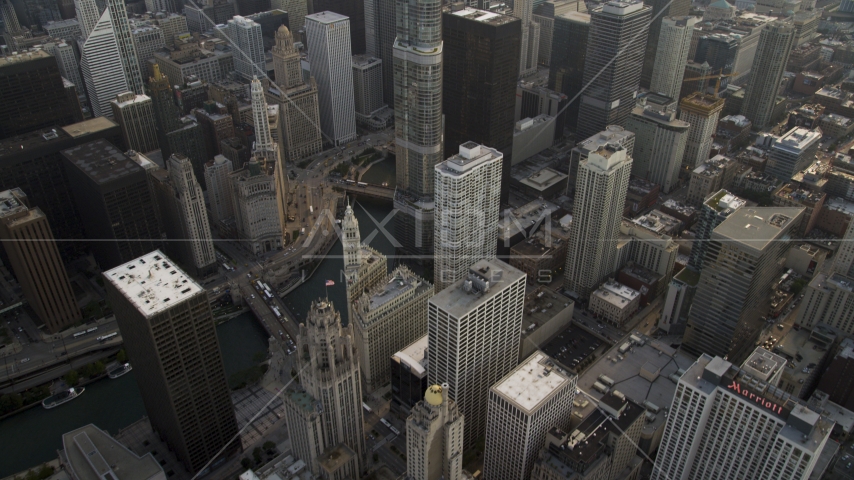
(34, 436)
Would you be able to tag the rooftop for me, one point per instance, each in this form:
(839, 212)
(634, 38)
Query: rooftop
(644, 373)
(153, 283)
(101, 161)
(757, 227)
(532, 382)
(326, 17)
(544, 179)
(797, 138)
(484, 16)
(485, 279)
(88, 127)
(471, 155)
(10, 203)
(616, 294)
(415, 355)
(23, 57)
(763, 364)
(95, 455)
(713, 166)
(401, 281)
(658, 222)
(365, 60)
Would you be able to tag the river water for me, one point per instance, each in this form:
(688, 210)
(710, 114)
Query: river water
(34, 436)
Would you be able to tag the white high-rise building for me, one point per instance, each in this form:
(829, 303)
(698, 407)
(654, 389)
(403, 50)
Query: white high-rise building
(245, 35)
(674, 43)
(68, 30)
(467, 200)
(727, 424)
(600, 196)
(535, 397)
(191, 205)
(124, 41)
(266, 151)
(434, 437)
(217, 172)
(474, 327)
(135, 114)
(792, 152)
(660, 140)
(829, 299)
(523, 10)
(325, 414)
(844, 262)
(170, 24)
(331, 60)
(387, 318)
(87, 15)
(100, 64)
(256, 210)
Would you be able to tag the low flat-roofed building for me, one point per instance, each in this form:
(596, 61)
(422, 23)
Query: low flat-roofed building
(836, 126)
(643, 369)
(805, 259)
(640, 195)
(844, 418)
(789, 195)
(709, 177)
(545, 183)
(814, 177)
(642, 280)
(531, 136)
(522, 222)
(543, 254)
(409, 376)
(685, 213)
(806, 353)
(547, 312)
(89, 453)
(614, 302)
(659, 222)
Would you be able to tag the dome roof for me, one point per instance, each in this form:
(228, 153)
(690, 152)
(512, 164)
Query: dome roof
(433, 396)
(721, 4)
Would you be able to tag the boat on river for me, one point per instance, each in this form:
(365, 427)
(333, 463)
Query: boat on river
(119, 371)
(64, 396)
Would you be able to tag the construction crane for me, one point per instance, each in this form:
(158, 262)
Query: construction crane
(719, 76)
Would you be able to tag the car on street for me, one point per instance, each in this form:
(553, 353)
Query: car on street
(25, 360)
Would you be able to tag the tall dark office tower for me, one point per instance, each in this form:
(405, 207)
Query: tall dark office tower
(618, 32)
(660, 9)
(11, 25)
(380, 32)
(117, 209)
(479, 84)
(33, 163)
(166, 113)
(772, 54)
(355, 10)
(32, 95)
(418, 124)
(569, 53)
(189, 139)
(32, 252)
(166, 322)
(741, 262)
(719, 52)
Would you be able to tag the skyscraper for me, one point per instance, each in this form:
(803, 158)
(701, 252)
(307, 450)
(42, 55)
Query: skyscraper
(385, 319)
(716, 208)
(600, 193)
(674, 42)
(113, 191)
(660, 10)
(478, 317)
(612, 68)
(87, 15)
(195, 229)
(325, 414)
(726, 423)
(659, 142)
(297, 101)
(9, 17)
(725, 315)
(217, 173)
(467, 203)
(792, 152)
(245, 35)
(380, 34)
(35, 260)
(419, 129)
(479, 83)
(772, 54)
(328, 36)
(99, 61)
(297, 10)
(32, 94)
(355, 11)
(364, 267)
(66, 59)
(530, 38)
(166, 113)
(367, 87)
(434, 437)
(569, 54)
(256, 209)
(124, 41)
(266, 151)
(170, 336)
(135, 114)
(535, 397)
(701, 111)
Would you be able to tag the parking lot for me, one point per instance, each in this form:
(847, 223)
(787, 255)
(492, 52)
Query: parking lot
(573, 348)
